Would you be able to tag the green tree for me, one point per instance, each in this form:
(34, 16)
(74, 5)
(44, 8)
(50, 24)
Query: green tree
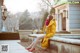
(25, 22)
(56, 1)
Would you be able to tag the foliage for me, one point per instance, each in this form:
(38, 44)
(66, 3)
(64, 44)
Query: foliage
(56, 1)
(25, 22)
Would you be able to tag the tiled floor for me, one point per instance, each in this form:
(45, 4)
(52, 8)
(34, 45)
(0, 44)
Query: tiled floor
(14, 47)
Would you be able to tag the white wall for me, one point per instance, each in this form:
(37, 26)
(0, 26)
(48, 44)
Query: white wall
(74, 16)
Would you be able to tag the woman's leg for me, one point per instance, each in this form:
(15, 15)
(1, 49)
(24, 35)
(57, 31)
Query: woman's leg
(33, 45)
(30, 45)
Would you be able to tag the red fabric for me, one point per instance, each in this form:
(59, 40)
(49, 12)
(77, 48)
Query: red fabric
(47, 22)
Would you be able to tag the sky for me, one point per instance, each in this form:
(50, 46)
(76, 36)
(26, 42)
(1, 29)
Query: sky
(15, 6)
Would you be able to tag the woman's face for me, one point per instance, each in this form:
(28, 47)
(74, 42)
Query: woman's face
(53, 16)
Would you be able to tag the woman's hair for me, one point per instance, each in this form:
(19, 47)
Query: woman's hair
(52, 11)
(50, 17)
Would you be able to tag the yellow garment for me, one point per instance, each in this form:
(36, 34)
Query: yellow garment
(51, 29)
(50, 32)
(45, 43)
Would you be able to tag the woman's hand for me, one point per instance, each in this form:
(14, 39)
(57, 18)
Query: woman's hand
(45, 37)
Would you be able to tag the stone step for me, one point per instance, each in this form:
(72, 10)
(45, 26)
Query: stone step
(63, 32)
(76, 31)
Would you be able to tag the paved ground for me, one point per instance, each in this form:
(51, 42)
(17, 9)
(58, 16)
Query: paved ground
(39, 49)
(14, 47)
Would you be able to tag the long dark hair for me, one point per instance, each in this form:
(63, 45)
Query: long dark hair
(50, 17)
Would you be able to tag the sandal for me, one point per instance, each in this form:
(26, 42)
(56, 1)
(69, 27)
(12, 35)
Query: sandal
(27, 48)
(32, 50)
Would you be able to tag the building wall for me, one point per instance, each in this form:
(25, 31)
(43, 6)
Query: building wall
(74, 16)
(59, 12)
(73, 0)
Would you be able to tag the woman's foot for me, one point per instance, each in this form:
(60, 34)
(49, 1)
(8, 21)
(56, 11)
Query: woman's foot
(28, 48)
(31, 50)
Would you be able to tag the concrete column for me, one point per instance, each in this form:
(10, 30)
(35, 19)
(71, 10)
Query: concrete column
(0, 19)
(1, 23)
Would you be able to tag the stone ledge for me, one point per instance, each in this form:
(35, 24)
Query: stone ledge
(60, 39)
(57, 45)
(66, 40)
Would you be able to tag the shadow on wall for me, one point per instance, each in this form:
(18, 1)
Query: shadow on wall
(64, 50)
(53, 48)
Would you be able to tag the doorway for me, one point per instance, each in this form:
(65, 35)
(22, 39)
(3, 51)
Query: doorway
(63, 22)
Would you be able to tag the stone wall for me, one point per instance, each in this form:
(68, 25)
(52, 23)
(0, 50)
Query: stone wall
(65, 48)
(23, 34)
(58, 44)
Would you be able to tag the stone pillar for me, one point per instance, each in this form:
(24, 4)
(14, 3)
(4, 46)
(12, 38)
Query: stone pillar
(0, 18)
(1, 22)
(4, 16)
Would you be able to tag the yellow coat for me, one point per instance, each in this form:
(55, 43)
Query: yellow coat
(51, 29)
(50, 32)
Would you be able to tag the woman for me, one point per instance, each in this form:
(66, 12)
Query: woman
(50, 31)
